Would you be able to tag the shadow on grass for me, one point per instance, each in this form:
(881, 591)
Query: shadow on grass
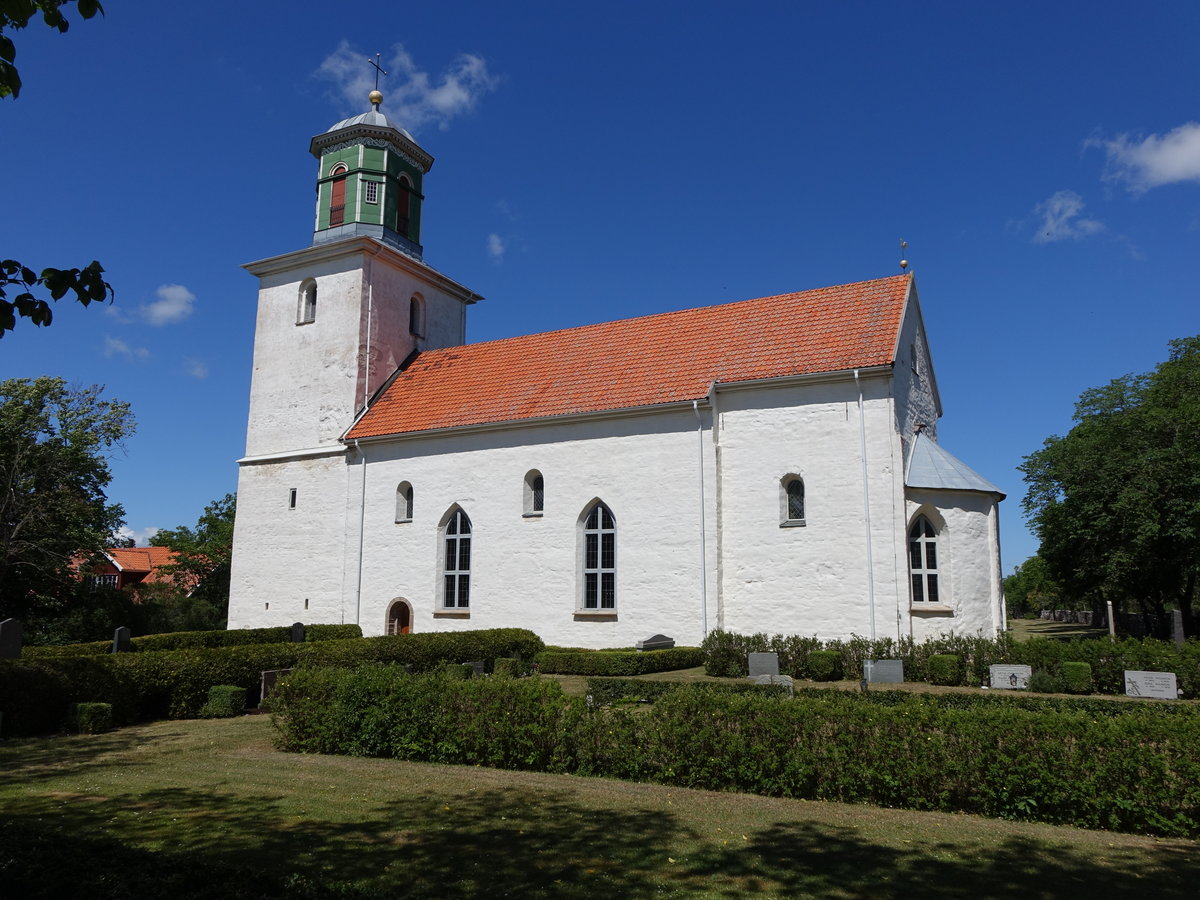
(185, 844)
(28, 759)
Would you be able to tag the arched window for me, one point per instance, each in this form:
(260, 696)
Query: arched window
(337, 196)
(399, 618)
(922, 561)
(791, 500)
(600, 559)
(535, 493)
(416, 315)
(456, 561)
(308, 303)
(404, 502)
(404, 206)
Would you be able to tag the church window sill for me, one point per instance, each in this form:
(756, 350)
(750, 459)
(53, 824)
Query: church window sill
(595, 615)
(792, 523)
(452, 614)
(932, 608)
(531, 515)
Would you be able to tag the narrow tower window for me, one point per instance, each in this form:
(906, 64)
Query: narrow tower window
(404, 206)
(416, 316)
(308, 303)
(337, 197)
(371, 192)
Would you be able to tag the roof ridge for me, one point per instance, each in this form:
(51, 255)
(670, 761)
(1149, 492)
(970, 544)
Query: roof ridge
(658, 315)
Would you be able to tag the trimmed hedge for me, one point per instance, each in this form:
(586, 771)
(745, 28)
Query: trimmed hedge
(1076, 677)
(192, 640)
(618, 662)
(174, 684)
(89, 718)
(224, 701)
(1137, 771)
(825, 665)
(607, 691)
(725, 656)
(945, 668)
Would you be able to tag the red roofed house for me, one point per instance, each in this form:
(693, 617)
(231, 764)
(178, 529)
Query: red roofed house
(765, 465)
(130, 567)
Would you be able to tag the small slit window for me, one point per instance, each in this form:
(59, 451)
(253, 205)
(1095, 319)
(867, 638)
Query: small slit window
(292, 498)
(308, 303)
(535, 493)
(404, 502)
(416, 315)
(791, 500)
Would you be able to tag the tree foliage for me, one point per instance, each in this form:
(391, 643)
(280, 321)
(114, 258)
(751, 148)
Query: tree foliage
(86, 283)
(54, 441)
(203, 553)
(1031, 587)
(1116, 501)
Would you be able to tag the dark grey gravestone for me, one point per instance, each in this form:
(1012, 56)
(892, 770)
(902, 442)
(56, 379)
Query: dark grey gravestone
(121, 640)
(1010, 678)
(655, 642)
(1159, 685)
(269, 679)
(1177, 626)
(10, 639)
(477, 667)
(762, 663)
(298, 633)
(884, 671)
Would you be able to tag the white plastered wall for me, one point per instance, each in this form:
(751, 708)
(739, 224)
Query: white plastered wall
(968, 562)
(811, 579)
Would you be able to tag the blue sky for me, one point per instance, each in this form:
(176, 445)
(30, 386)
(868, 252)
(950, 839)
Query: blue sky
(608, 160)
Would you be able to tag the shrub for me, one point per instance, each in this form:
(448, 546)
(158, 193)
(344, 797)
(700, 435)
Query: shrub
(193, 640)
(89, 718)
(618, 662)
(945, 668)
(825, 665)
(606, 691)
(506, 667)
(456, 671)
(224, 701)
(1076, 677)
(1043, 683)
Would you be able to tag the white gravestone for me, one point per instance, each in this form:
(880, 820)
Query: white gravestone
(1010, 678)
(1159, 685)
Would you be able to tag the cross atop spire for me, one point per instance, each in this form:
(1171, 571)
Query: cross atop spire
(378, 69)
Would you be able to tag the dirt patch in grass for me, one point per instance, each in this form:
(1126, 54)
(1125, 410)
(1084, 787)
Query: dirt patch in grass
(208, 808)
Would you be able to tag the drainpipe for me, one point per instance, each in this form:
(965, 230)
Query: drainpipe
(703, 549)
(362, 521)
(862, 450)
(367, 354)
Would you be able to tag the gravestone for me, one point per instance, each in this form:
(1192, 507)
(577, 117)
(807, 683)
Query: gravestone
(884, 671)
(1177, 627)
(1158, 685)
(477, 667)
(762, 663)
(785, 680)
(120, 642)
(1010, 678)
(298, 633)
(655, 642)
(10, 639)
(269, 679)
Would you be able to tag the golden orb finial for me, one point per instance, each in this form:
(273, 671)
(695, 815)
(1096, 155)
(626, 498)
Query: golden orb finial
(376, 98)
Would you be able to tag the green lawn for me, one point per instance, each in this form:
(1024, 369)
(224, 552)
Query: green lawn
(1027, 629)
(184, 809)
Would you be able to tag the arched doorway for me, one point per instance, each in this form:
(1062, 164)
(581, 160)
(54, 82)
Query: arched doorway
(399, 617)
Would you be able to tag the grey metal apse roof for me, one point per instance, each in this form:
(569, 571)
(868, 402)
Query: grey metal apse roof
(929, 466)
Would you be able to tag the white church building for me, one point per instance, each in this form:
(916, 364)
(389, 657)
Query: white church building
(764, 465)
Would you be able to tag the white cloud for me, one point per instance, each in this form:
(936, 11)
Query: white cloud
(411, 97)
(1152, 161)
(1061, 219)
(197, 368)
(140, 537)
(496, 246)
(174, 304)
(117, 347)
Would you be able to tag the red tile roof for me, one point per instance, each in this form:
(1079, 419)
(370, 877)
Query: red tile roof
(644, 361)
(143, 559)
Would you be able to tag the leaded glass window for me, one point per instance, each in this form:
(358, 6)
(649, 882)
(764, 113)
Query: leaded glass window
(922, 561)
(456, 563)
(600, 559)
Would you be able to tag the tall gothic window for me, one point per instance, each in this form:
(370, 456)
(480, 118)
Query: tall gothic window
(600, 559)
(456, 562)
(922, 561)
